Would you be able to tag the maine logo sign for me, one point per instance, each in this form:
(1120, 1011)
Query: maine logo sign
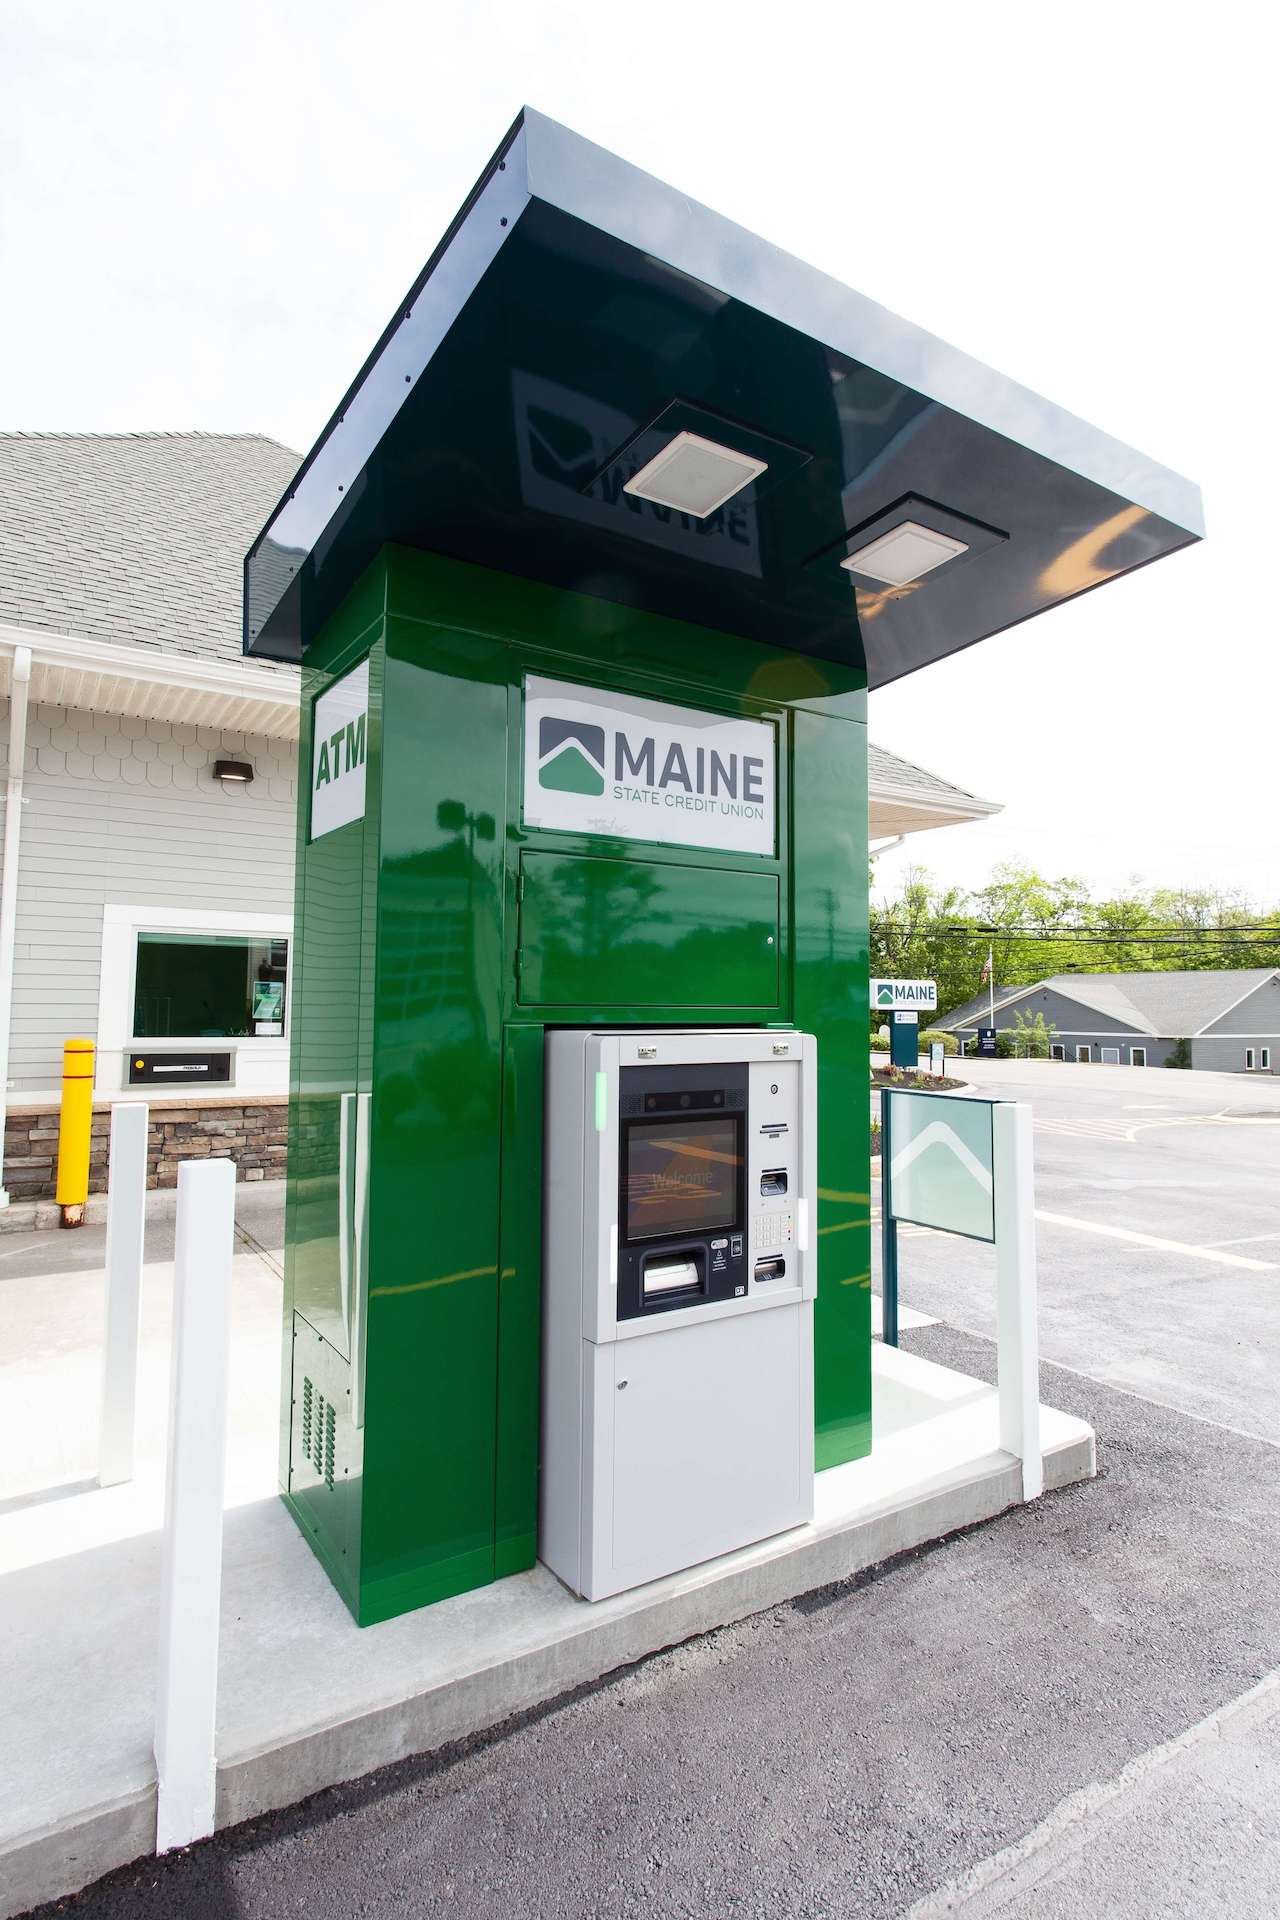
(570, 756)
(632, 769)
(904, 996)
(339, 750)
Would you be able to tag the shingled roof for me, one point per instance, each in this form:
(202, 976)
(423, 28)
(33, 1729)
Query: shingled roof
(1165, 1005)
(135, 538)
(889, 772)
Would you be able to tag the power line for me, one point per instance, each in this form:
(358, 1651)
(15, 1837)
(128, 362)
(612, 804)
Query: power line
(1119, 936)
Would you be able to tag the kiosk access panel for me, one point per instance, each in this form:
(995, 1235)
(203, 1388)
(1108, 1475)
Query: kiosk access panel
(678, 1288)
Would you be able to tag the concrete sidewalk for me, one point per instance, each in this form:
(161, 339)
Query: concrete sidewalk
(307, 1699)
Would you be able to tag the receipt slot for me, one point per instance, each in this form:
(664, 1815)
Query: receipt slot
(679, 1279)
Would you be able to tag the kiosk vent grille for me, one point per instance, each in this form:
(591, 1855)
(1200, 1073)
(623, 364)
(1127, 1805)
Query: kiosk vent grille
(319, 1431)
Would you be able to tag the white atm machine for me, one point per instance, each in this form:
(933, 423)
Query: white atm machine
(679, 1274)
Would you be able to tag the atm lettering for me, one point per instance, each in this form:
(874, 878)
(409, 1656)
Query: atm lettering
(355, 742)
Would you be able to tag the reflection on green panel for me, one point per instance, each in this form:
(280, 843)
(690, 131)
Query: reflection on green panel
(639, 932)
(829, 888)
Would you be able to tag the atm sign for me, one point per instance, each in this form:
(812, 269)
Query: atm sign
(905, 996)
(339, 749)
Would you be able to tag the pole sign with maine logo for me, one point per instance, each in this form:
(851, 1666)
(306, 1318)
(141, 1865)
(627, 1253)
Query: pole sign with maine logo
(606, 763)
(905, 996)
(339, 747)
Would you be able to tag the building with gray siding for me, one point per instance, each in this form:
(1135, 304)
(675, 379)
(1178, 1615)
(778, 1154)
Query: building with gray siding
(143, 899)
(146, 901)
(1229, 1019)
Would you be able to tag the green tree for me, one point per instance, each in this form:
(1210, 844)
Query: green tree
(1037, 927)
(1032, 1035)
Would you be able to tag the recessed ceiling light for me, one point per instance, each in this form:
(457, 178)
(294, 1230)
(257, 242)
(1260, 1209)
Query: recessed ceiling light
(904, 553)
(694, 475)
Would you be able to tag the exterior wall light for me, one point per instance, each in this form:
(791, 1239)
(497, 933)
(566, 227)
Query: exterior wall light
(237, 772)
(694, 476)
(903, 554)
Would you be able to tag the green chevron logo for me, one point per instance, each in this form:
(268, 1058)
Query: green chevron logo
(570, 756)
(884, 998)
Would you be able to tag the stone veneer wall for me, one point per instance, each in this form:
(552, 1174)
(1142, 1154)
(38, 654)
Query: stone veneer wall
(251, 1131)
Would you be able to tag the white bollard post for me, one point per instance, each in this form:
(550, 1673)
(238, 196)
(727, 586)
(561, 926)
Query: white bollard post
(191, 1580)
(126, 1225)
(1017, 1338)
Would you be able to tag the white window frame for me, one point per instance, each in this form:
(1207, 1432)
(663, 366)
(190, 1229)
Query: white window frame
(1104, 1051)
(1137, 1056)
(259, 1063)
(1264, 1059)
(1057, 1050)
(1248, 1059)
(1084, 1054)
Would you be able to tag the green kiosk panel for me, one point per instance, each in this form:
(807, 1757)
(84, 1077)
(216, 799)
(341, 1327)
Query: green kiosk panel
(634, 932)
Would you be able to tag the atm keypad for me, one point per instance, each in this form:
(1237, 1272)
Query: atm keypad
(773, 1230)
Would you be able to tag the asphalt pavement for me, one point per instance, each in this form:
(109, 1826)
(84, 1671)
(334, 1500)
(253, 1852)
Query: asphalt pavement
(259, 1225)
(1158, 1234)
(1040, 1716)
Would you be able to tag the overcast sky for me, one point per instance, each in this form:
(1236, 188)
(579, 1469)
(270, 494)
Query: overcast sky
(207, 214)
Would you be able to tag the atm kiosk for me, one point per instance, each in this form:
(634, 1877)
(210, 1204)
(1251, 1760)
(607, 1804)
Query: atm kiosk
(679, 1278)
(588, 578)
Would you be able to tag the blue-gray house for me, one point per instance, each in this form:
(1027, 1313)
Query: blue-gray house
(1229, 1019)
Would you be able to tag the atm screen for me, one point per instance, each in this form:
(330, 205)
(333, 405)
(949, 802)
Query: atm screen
(681, 1176)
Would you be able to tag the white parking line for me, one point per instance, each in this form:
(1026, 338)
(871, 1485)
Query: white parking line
(1153, 1240)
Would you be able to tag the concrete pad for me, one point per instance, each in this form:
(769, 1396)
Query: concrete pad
(306, 1699)
(907, 1317)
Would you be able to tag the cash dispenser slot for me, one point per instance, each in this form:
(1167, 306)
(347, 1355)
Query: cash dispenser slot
(773, 1181)
(771, 1269)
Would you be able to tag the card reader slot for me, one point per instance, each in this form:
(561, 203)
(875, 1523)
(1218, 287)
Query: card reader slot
(773, 1181)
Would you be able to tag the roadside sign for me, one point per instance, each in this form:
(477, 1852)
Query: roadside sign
(987, 1042)
(890, 995)
(937, 1058)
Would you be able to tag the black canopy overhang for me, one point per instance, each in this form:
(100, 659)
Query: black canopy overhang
(576, 315)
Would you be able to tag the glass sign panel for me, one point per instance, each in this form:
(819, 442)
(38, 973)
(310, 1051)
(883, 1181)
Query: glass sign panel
(941, 1163)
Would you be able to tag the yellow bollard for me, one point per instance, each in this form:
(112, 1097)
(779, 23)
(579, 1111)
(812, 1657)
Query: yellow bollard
(74, 1124)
